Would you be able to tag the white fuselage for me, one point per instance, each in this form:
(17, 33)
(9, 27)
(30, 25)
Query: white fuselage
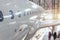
(22, 10)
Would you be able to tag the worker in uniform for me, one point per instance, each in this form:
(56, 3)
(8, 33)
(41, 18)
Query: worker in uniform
(49, 36)
(55, 35)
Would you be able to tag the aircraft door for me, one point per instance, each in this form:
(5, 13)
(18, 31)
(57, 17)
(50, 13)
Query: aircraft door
(1, 16)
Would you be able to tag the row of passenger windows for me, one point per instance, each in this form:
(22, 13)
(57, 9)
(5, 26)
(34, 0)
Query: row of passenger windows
(24, 14)
(12, 15)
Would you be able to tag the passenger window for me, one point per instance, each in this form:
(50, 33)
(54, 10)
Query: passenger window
(24, 14)
(19, 15)
(11, 13)
(30, 13)
(27, 13)
(1, 16)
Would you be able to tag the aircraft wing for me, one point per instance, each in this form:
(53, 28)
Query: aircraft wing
(43, 24)
(49, 23)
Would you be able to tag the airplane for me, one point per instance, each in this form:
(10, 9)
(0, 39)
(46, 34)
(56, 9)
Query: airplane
(16, 22)
(14, 14)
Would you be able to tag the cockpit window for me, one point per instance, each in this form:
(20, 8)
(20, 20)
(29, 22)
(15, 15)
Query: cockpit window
(1, 16)
(11, 13)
